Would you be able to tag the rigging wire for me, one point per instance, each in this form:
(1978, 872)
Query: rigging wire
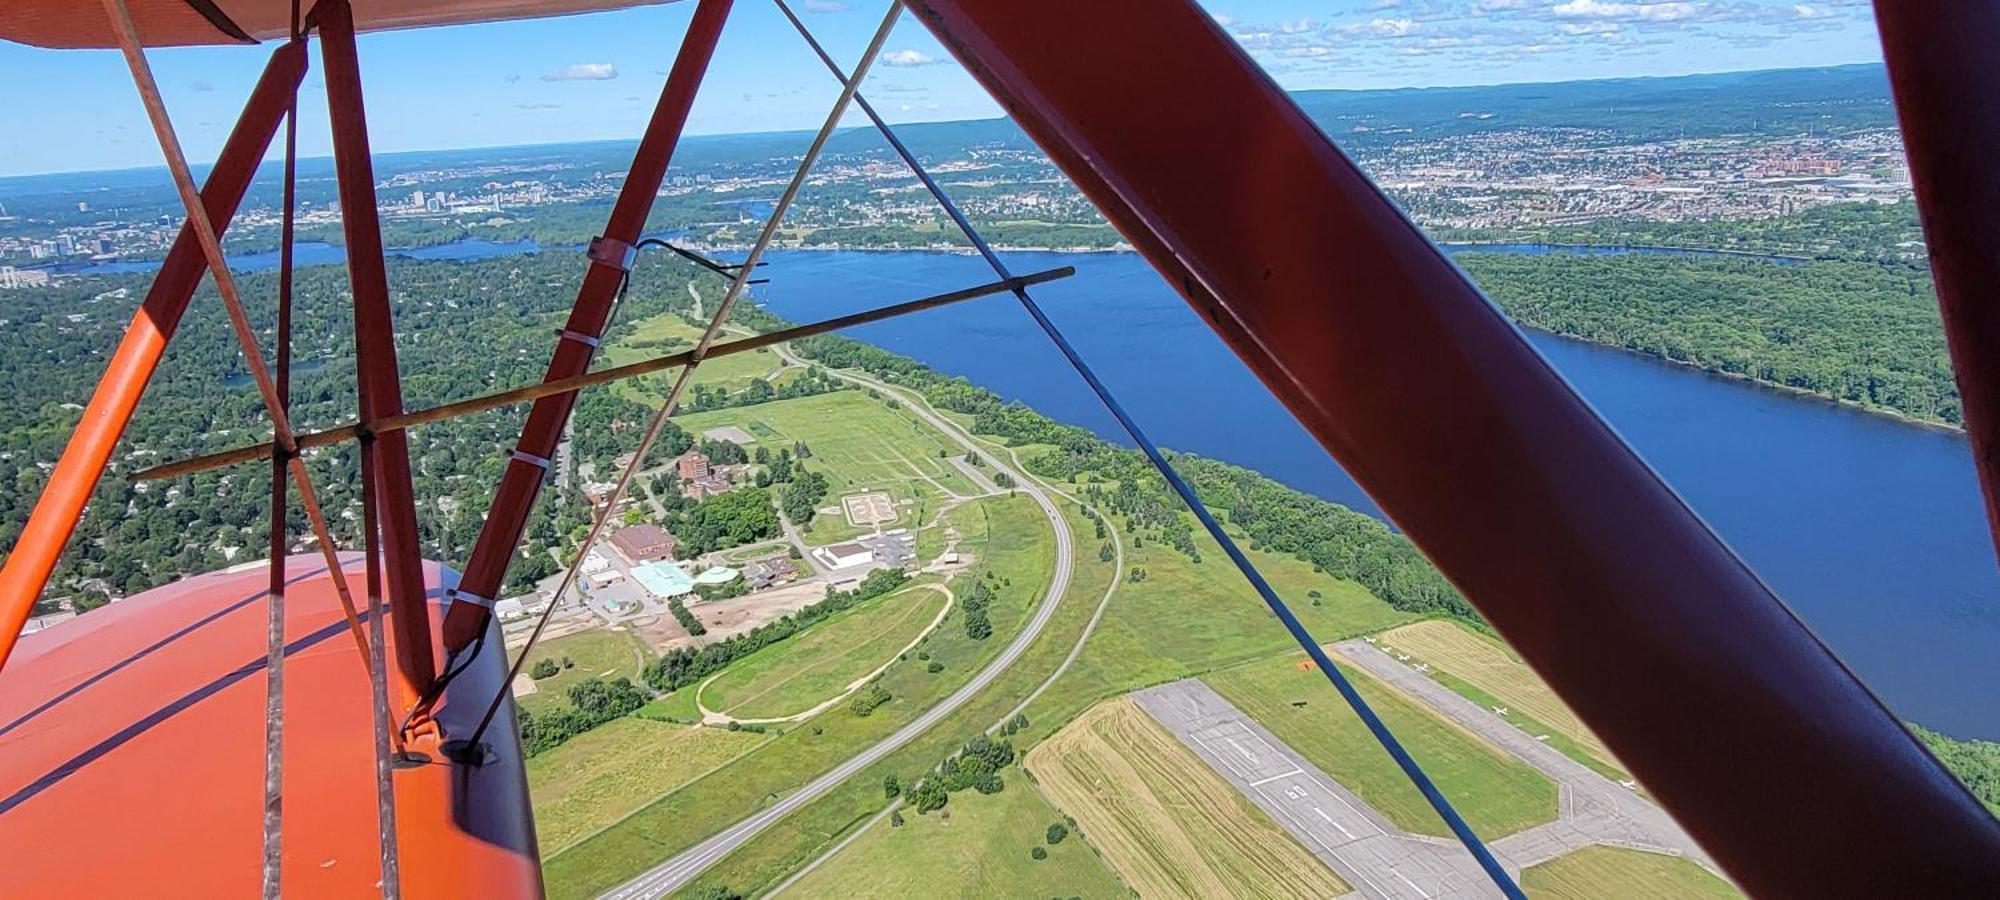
(274, 651)
(378, 676)
(1341, 683)
(203, 228)
(471, 748)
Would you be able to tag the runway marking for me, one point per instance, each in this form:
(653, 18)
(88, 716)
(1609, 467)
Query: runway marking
(1413, 885)
(1264, 781)
(1329, 820)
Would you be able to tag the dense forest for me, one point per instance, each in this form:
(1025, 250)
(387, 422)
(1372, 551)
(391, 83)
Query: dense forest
(1862, 332)
(465, 328)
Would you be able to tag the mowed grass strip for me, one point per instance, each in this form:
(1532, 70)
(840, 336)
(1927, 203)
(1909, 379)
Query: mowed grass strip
(604, 653)
(790, 677)
(615, 768)
(1496, 793)
(1163, 819)
(976, 847)
(1595, 872)
(1487, 665)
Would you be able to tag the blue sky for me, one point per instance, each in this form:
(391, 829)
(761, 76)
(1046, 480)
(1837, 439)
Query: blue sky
(596, 76)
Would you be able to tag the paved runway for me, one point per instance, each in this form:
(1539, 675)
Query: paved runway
(1369, 852)
(1352, 839)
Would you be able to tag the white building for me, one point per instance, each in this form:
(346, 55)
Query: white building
(843, 556)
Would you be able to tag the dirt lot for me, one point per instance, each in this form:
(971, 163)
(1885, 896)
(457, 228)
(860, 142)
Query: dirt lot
(726, 618)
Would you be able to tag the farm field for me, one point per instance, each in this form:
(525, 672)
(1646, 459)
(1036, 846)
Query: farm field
(793, 676)
(1595, 872)
(599, 653)
(1497, 794)
(1163, 819)
(604, 773)
(981, 849)
(1489, 666)
(860, 445)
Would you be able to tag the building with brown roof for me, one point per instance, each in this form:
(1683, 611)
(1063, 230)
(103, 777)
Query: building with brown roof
(644, 543)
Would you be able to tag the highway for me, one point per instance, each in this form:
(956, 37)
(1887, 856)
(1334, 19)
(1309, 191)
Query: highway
(678, 871)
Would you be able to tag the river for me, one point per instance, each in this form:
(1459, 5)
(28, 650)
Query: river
(1871, 528)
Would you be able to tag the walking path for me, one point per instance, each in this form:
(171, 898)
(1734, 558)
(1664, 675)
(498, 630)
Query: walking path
(711, 717)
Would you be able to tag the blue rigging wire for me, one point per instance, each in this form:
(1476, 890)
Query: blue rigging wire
(1292, 624)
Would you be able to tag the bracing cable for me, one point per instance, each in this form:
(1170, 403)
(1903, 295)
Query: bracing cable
(1340, 681)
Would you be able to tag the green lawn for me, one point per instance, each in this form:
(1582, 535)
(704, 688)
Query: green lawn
(602, 774)
(859, 444)
(795, 675)
(1497, 794)
(601, 653)
(980, 850)
(675, 707)
(667, 333)
(1009, 536)
(1594, 872)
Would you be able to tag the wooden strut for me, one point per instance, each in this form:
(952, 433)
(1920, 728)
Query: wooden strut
(524, 394)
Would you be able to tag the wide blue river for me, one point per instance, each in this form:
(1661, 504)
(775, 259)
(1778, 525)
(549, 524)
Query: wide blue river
(1870, 528)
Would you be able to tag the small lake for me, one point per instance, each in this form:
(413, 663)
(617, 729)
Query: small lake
(1872, 529)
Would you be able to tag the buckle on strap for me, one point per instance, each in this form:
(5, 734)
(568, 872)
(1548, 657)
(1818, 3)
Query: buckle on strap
(612, 252)
(529, 458)
(578, 337)
(472, 598)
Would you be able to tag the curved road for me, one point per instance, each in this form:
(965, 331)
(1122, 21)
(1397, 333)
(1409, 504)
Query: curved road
(673, 874)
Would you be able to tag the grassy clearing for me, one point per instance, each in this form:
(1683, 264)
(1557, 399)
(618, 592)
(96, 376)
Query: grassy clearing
(860, 444)
(979, 850)
(793, 676)
(600, 653)
(1488, 665)
(669, 333)
(1497, 794)
(675, 707)
(1595, 872)
(1163, 819)
(604, 773)
(1010, 535)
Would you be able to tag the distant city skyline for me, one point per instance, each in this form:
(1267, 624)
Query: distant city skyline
(595, 77)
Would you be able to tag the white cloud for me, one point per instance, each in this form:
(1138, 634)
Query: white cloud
(1805, 11)
(1643, 12)
(1298, 26)
(825, 6)
(583, 72)
(908, 58)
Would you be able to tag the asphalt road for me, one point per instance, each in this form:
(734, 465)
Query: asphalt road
(674, 873)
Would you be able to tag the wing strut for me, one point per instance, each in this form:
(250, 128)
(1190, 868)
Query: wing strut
(138, 355)
(610, 262)
(1747, 728)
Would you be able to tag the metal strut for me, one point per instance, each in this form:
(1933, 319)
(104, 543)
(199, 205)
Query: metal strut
(1376, 726)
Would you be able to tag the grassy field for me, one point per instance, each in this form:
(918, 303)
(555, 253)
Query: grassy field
(1488, 665)
(791, 677)
(1596, 872)
(602, 653)
(860, 444)
(602, 774)
(1163, 819)
(1011, 538)
(669, 333)
(979, 850)
(1497, 794)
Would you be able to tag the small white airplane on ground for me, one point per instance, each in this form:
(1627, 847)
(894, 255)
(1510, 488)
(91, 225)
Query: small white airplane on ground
(1500, 710)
